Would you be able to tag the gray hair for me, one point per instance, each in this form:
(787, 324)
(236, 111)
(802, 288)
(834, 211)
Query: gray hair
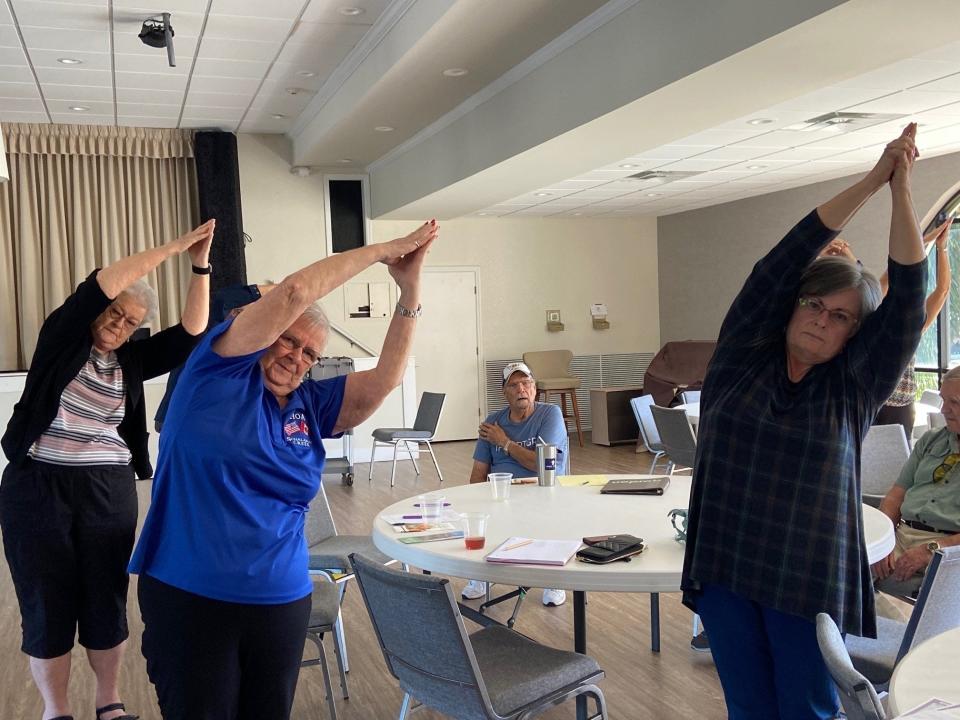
(952, 374)
(315, 315)
(828, 275)
(144, 296)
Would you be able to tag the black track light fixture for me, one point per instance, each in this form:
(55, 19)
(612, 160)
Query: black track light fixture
(158, 32)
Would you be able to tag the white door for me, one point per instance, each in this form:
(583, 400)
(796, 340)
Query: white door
(447, 348)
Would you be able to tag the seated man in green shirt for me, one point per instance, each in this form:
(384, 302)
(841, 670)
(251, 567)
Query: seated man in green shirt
(924, 503)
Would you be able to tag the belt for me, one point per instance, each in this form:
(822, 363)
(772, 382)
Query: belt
(917, 525)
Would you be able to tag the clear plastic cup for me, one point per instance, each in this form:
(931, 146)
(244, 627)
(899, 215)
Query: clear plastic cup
(474, 529)
(431, 508)
(500, 485)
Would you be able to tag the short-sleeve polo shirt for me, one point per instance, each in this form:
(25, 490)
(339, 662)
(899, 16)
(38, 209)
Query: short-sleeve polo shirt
(235, 477)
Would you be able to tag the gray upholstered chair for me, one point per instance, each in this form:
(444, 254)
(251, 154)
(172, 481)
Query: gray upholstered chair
(690, 396)
(551, 369)
(330, 558)
(936, 611)
(884, 452)
(648, 428)
(423, 431)
(931, 397)
(493, 674)
(676, 434)
(324, 613)
(857, 696)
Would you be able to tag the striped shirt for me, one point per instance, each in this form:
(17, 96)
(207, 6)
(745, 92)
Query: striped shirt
(84, 432)
(775, 512)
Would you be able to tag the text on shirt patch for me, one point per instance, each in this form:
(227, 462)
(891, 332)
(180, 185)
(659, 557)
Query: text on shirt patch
(296, 431)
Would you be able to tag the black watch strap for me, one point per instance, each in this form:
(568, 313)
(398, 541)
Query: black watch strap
(202, 270)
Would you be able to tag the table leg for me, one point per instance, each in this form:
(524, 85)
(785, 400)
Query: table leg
(580, 640)
(655, 622)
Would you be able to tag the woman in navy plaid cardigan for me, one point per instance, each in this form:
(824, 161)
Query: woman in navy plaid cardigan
(805, 357)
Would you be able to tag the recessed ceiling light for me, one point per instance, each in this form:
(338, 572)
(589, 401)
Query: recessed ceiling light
(305, 73)
(351, 11)
(543, 194)
(79, 108)
(69, 61)
(278, 116)
(756, 167)
(627, 166)
(759, 121)
(481, 214)
(455, 72)
(296, 90)
(654, 194)
(577, 214)
(345, 161)
(383, 128)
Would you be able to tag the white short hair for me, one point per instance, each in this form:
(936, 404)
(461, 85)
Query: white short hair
(144, 296)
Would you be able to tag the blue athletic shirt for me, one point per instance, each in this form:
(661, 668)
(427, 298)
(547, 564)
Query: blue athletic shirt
(546, 422)
(235, 477)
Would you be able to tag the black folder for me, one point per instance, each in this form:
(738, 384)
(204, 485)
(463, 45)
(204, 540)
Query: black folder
(636, 486)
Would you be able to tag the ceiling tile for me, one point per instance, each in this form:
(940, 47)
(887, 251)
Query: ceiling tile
(327, 11)
(900, 75)
(320, 47)
(695, 164)
(286, 75)
(263, 123)
(827, 99)
(11, 116)
(283, 103)
(8, 34)
(70, 16)
(908, 101)
(213, 99)
(152, 64)
(5, 18)
(22, 104)
(230, 27)
(19, 90)
(158, 81)
(73, 75)
(230, 68)
(936, 138)
(220, 49)
(673, 152)
(71, 118)
(78, 94)
(67, 41)
(734, 153)
(208, 123)
(798, 154)
(95, 107)
(950, 83)
(220, 113)
(147, 110)
(184, 47)
(781, 119)
(233, 86)
(91, 61)
(288, 9)
(719, 137)
(171, 6)
(128, 21)
(149, 96)
(147, 122)
(12, 56)
(16, 74)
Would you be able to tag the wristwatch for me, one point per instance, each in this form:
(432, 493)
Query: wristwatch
(404, 312)
(932, 546)
(202, 270)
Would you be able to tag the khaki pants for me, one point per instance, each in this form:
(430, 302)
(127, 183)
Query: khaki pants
(907, 537)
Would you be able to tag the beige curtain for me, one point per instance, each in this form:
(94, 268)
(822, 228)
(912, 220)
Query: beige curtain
(81, 197)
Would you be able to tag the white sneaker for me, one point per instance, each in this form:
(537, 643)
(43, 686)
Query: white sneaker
(553, 597)
(474, 589)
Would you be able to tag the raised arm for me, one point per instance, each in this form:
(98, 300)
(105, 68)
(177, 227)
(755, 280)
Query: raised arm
(906, 243)
(118, 276)
(261, 322)
(366, 390)
(196, 309)
(937, 298)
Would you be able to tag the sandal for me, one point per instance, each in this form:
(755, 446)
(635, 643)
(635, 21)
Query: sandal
(115, 706)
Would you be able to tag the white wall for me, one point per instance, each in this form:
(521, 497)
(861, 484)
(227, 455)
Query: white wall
(527, 265)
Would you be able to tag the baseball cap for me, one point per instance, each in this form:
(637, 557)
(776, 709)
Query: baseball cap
(515, 367)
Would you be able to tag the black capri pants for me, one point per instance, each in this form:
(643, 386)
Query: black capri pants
(216, 660)
(67, 536)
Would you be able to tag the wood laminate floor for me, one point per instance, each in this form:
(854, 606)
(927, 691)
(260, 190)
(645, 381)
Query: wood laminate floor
(639, 684)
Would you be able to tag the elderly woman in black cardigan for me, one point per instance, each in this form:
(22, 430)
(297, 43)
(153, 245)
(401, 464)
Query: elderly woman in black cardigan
(68, 505)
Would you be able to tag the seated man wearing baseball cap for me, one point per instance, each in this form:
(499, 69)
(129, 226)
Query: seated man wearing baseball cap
(507, 443)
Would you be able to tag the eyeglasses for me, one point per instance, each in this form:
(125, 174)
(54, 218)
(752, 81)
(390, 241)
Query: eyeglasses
(291, 343)
(945, 467)
(117, 314)
(517, 384)
(839, 318)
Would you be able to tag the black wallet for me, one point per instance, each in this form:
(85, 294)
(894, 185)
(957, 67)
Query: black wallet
(603, 549)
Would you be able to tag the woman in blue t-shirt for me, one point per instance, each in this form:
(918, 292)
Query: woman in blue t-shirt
(224, 588)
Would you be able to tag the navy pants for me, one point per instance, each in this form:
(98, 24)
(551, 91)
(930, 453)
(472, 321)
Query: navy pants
(769, 662)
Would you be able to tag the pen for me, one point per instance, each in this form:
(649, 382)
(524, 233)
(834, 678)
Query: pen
(446, 504)
(516, 545)
(412, 517)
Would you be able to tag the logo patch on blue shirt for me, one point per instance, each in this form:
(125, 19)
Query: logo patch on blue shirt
(296, 431)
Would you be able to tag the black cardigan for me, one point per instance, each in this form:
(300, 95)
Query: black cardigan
(63, 347)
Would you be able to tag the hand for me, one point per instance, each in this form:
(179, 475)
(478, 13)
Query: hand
(883, 171)
(939, 234)
(494, 434)
(838, 248)
(912, 562)
(197, 243)
(408, 253)
(883, 568)
(906, 152)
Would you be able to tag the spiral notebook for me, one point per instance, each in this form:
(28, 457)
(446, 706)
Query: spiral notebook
(636, 486)
(527, 551)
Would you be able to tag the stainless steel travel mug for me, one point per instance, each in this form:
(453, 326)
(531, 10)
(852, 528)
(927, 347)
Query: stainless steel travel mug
(546, 465)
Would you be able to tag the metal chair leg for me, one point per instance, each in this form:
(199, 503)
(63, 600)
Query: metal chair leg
(393, 470)
(345, 691)
(435, 463)
(321, 660)
(373, 458)
(339, 636)
(406, 446)
(405, 706)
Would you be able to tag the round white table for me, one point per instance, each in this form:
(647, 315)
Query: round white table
(566, 513)
(930, 670)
